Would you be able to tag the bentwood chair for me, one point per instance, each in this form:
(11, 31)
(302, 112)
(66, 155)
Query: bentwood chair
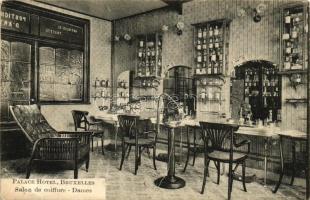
(81, 122)
(196, 148)
(131, 136)
(215, 137)
(71, 148)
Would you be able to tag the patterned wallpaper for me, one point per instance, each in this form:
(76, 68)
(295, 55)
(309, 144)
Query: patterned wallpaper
(248, 40)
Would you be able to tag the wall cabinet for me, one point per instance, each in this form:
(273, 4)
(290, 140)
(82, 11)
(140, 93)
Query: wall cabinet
(262, 89)
(293, 36)
(210, 56)
(149, 55)
(211, 47)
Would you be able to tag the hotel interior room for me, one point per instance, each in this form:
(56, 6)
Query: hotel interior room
(164, 99)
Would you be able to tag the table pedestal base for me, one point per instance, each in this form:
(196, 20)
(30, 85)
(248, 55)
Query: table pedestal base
(170, 182)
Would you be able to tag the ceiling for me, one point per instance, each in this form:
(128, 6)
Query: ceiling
(108, 9)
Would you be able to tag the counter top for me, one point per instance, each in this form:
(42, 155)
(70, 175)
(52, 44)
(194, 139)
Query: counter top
(246, 130)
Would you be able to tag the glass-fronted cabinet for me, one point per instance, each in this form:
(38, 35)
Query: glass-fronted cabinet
(293, 34)
(149, 56)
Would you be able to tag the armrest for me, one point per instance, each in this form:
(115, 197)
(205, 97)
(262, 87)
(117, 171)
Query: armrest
(76, 132)
(84, 136)
(242, 143)
(55, 148)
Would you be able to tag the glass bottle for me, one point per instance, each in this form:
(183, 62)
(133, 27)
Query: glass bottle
(141, 43)
(210, 43)
(140, 53)
(205, 54)
(213, 56)
(294, 32)
(216, 43)
(97, 82)
(199, 58)
(287, 18)
(199, 34)
(204, 44)
(216, 31)
(215, 68)
(209, 69)
(159, 62)
(204, 33)
(198, 45)
(210, 31)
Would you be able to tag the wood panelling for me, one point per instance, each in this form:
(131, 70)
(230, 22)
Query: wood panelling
(248, 41)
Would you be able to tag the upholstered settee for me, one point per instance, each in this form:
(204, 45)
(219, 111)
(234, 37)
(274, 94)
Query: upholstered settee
(50, 145)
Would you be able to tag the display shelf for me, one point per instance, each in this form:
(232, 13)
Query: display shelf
(149, 56)
(211, 47)
(262, 88)
(289, 72)
(96, 97)
(293, 34)
(295, 101)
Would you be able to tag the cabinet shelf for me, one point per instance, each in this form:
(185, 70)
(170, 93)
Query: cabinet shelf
(101, 86)
(294, 100)
(100, 97)
(289, 72)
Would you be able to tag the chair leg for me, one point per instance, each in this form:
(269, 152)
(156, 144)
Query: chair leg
(205, 173)
(154, 157)
(243, 176)
(136, 159)
(229, 181)
(102, 144)
(123, 156)
(218, 172)
(194, 155)
(148, 152)
(294, 162)
(140, 153)
(208, 162)
(87, 163)
(29, 169)
(75, 170)
(128, 152)
(188, 150)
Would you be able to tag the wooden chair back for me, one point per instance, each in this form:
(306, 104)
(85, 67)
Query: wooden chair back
(80, 120)
(128, 125)
(218, 135)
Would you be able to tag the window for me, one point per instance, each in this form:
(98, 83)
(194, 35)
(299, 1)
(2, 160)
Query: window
(45, 59)
(60, 74)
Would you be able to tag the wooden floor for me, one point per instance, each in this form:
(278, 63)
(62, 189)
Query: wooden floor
(125, 185)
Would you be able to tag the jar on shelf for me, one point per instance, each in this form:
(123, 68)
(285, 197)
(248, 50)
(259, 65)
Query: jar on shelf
(294, 32)
(198, 45)
(103, 83)
(286, 36)
(216, 43)
(199, 33)
(204, 33)
(141, 43)
(287, 18)
(97, 82)
(210, 31)
(204, 44)
(216, 31)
